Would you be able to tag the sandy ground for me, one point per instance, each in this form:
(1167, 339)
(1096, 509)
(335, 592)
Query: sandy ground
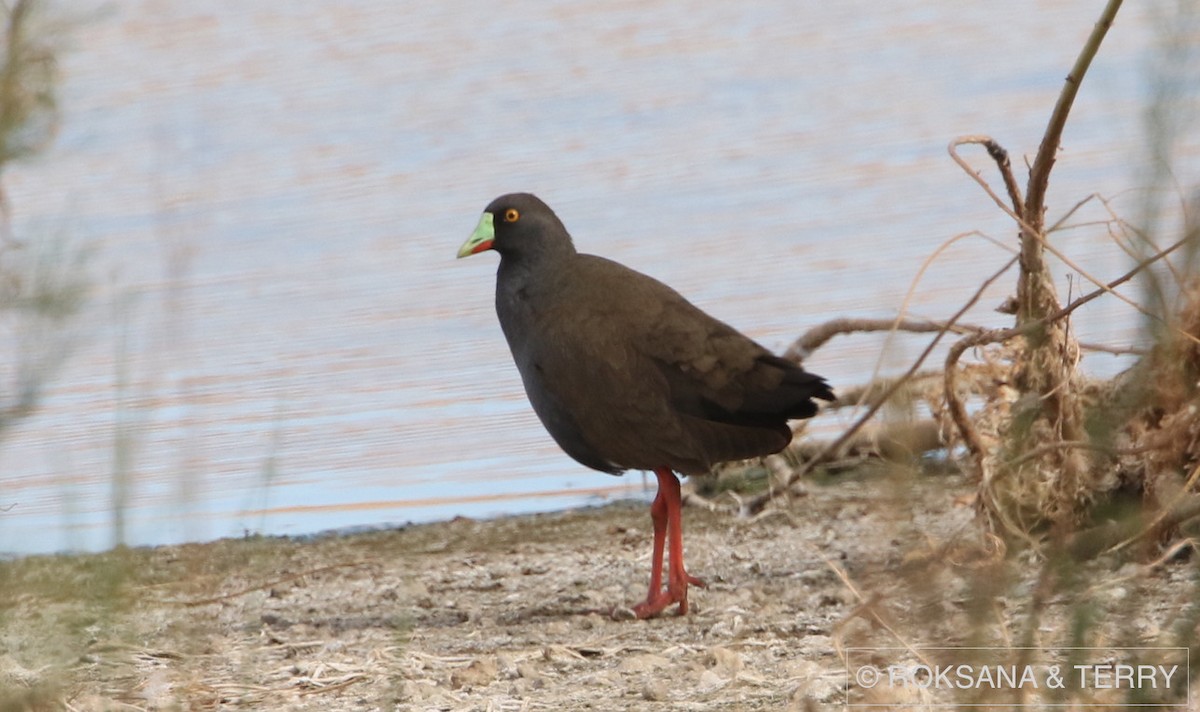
(518, 613)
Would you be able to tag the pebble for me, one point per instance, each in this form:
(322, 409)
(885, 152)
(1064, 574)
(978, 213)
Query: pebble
(726, 663)
(655, 691)
(710, 681)
(479, 673)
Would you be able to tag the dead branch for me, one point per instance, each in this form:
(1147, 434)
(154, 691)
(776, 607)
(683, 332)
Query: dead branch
(816, 337)
(954, 404)
(1047, 370)
(1043, 163)
(1000, 156)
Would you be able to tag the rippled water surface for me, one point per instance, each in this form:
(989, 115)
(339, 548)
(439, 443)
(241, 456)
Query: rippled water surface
(278, 337)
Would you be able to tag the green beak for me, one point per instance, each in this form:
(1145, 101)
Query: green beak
(481, 239)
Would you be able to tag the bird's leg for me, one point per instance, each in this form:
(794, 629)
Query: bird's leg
(677, 577)
(656, 599)
(658, 515)
(666, 513)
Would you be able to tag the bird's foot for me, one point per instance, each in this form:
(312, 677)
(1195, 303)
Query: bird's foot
(658, 601)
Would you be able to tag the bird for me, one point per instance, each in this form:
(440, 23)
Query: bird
(627, 374)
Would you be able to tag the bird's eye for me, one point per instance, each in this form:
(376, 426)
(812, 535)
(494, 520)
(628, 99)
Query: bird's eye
(511, 215)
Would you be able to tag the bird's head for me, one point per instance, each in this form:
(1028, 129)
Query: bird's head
(517, 224)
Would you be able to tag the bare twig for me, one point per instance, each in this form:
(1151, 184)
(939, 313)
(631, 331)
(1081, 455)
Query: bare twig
(816, 337)
(1147, 239)
(1074, 209)
(1039, 176)
(1014, 193)
(954, 404)
(819, 335)
(1000, 156)
(1096, 281)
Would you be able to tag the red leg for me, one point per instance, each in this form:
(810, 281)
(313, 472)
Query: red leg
(655, 598)
(677, 577)
(666, 512)
(658, 515)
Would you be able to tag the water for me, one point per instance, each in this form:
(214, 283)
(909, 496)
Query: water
(273, 195)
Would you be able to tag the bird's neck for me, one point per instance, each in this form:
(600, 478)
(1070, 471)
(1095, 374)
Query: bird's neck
(537, 265)
(524, 281)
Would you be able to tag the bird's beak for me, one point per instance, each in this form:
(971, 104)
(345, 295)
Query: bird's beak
(481, 239)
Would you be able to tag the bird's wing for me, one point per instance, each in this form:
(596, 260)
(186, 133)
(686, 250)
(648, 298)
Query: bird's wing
(718, 373)
(654, 362)
(710, 369)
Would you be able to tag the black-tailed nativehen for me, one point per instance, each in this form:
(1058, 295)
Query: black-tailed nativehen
(627, 374)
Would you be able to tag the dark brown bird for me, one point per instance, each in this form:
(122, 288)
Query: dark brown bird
(627, 374)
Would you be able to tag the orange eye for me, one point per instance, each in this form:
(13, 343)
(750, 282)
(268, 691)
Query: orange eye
(511, 215)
